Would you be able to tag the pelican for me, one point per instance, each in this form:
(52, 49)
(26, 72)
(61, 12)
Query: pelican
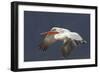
(70, 40)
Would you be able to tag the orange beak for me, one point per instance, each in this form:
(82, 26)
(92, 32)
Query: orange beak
(50, 33)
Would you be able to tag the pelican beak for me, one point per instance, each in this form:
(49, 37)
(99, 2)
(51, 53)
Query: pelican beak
(50, 33)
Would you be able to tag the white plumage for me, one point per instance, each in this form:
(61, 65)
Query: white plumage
(70, 39)
(63, 33)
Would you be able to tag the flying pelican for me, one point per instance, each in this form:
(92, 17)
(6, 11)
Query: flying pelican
(70, 40)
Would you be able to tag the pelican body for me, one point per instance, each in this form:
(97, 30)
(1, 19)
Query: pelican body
(70, 40)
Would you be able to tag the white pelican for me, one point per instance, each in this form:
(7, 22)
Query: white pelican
(70, 40)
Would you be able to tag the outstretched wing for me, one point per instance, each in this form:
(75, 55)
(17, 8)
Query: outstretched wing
(46, 42)
(69, 45)
(75, 36)
(77, 39)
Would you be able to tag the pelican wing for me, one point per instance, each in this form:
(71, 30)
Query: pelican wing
(46, 42)
(67, 47)
(75, 36)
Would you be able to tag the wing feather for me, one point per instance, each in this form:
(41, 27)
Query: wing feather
(75, 36)
(46, 42)
(69, 45)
